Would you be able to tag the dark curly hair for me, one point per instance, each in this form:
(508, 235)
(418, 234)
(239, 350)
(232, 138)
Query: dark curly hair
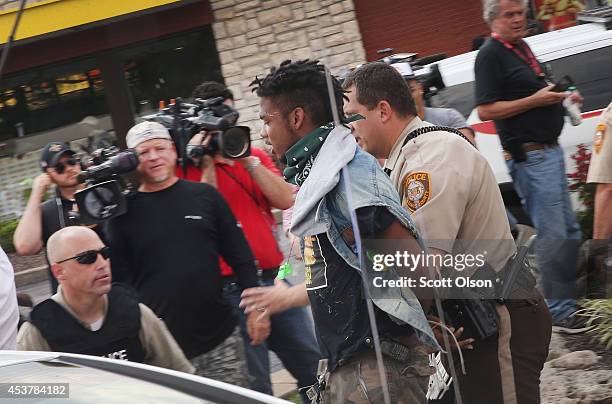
(212, 89)
(301, 84)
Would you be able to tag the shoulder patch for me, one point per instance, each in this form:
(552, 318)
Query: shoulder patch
(416, 188)
(599, 137)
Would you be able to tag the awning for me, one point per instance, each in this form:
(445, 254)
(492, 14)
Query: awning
(51, 16)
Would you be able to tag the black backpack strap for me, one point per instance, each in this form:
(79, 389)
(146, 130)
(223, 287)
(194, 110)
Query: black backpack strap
(426, 129)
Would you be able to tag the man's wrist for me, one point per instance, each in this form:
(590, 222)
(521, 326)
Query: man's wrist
(39, 193)
(207, 161)
(251, 163)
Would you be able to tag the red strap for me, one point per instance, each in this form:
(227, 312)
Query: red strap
(528, 56)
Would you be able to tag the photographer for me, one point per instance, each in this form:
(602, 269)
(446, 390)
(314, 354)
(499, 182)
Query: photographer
(451, 193)
(438, 116)
(252, 186)
(169, 242)
(512, 89)
(41, 220)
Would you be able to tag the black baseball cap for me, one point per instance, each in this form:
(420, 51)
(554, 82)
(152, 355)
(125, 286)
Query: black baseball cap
(52, 153)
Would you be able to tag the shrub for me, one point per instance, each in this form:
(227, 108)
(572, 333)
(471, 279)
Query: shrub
(7, 228)
(586, 192)
(599, 313)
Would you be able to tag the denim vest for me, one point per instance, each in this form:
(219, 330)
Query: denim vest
(369, 186)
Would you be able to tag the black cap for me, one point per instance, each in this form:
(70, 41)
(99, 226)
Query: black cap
(52, 153)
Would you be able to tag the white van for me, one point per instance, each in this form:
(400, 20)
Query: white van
(583, 52)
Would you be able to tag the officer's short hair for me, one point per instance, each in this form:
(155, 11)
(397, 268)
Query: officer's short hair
(378, 81)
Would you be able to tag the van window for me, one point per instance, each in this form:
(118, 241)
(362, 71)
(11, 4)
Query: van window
(459, 97)
(592, 73)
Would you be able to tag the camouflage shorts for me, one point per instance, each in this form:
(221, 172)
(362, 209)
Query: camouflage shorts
(226, 362)
(358, 381)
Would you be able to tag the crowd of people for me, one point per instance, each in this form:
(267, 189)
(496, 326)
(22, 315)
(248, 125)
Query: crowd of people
(187, 278)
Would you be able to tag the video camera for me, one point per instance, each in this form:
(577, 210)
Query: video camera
(106, 191)
(184, 120)
(413, 68)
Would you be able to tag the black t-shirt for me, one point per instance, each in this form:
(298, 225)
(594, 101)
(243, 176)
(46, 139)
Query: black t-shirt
(336, 295)
(167, 246)
(501, 75)
(54, 219)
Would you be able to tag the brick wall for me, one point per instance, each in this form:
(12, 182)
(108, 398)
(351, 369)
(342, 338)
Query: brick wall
(422, 26)
(253, 35)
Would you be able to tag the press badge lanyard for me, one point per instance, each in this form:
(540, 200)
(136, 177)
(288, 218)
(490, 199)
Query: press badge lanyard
(60, 208)
(527, 57)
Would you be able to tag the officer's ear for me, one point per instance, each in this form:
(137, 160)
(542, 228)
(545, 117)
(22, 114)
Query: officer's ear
(385, 111)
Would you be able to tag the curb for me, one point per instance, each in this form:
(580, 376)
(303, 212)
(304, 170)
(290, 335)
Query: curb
(30, 276)
(283, 384)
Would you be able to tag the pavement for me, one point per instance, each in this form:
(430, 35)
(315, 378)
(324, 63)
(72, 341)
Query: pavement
(39, 289)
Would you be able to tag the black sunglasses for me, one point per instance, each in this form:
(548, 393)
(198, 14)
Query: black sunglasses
(89, 256)
(60, 167)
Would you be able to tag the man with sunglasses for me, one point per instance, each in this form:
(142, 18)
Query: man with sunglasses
(40, 220)
(88, 316)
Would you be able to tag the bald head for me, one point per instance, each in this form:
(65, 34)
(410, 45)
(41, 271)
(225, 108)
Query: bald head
(68, 242)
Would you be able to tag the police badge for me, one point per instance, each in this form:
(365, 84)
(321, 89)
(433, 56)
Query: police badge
(415, 190)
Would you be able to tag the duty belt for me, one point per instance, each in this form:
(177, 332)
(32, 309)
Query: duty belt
(262, 275)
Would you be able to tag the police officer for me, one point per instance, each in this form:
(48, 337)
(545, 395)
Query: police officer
(600, 173)
(87, 316)
(451, 193)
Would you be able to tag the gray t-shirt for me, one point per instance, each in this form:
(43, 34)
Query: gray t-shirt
(445, 117)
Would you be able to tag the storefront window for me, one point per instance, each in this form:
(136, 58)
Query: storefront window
(51, 97)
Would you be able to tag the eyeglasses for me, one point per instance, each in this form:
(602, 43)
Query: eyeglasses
(269, 114)
(89, 256)
(60, 167)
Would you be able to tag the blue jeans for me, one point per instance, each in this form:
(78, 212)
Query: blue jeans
(511, 220)
(541, 183)
(291, 338)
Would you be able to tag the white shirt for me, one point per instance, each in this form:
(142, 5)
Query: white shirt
(9, 312)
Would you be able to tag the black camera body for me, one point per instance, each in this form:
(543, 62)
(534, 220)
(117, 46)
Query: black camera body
(184, 120)
(106, 191)
(428, 76)
(431, 80)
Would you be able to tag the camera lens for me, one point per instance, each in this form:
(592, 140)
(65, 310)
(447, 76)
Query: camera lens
(236, 142)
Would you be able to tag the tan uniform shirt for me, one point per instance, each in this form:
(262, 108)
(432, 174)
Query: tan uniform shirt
(600, 168)
(451, 193)
(161, 349)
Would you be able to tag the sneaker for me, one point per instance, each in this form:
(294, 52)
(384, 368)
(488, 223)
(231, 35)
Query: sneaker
(572, 324)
